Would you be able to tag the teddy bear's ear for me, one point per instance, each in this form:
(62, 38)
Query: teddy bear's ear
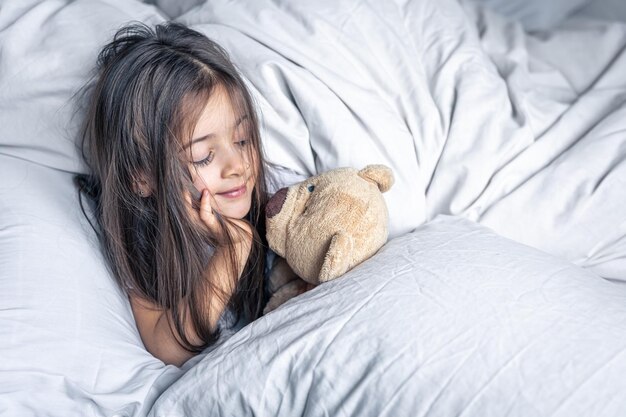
(337, 259)
(380, 175)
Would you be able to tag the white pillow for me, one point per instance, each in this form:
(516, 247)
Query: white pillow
(67, 334)
(536, 14)
(68, 341)
(48, 50)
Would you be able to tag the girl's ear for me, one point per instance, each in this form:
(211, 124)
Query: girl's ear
(141, 186)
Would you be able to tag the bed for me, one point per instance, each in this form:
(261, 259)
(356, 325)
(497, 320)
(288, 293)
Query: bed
(501, 290)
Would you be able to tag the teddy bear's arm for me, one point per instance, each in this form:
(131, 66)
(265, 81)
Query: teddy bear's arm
(337, 259)
(280, 274)
(285, 293)
(283, 284)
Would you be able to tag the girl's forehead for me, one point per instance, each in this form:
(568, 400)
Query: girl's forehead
(219, 116)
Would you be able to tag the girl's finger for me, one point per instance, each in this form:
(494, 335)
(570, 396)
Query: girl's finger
(188, 198)
(206, 211)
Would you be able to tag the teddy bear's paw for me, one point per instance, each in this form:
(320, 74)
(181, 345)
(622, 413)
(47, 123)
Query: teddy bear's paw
(285, 293)
(280, 274)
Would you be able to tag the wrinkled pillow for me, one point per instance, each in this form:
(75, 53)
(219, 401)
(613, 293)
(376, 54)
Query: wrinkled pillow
(48, 51)
(68, 340)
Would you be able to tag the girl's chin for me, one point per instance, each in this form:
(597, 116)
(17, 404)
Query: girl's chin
(235, 213)
(234, 209)
(236, 216)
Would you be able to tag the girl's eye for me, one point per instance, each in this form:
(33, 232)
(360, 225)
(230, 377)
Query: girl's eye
(242, 142)
(205, 161)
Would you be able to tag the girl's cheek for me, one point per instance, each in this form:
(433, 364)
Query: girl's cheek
(203, 179)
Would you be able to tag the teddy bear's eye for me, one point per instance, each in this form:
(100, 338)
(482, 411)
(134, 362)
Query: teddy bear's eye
(310, 187)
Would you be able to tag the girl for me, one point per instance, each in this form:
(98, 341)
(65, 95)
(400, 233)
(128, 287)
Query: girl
(172, 141)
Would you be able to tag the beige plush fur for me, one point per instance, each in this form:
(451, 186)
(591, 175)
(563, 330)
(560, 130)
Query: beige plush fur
(326, 225)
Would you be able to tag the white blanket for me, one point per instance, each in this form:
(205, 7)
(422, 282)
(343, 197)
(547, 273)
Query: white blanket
(525, 134)
(450, 320)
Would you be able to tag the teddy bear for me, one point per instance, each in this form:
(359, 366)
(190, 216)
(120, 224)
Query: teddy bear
(322, 227)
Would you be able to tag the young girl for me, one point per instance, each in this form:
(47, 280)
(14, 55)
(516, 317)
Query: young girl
(172, 140)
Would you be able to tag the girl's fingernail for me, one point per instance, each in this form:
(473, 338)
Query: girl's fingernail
(205, 193)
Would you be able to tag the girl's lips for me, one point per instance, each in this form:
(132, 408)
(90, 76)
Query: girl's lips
(234, 193)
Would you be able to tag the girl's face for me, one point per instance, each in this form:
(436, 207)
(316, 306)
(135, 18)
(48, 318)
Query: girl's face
(221, 156)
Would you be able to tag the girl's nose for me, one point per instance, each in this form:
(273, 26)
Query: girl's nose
(235, 163)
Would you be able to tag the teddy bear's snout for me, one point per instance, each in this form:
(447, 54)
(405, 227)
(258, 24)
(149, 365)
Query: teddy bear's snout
(275, 204)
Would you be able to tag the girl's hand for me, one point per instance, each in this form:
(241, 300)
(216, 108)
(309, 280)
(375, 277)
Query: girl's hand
(206, 213)
(240, 230)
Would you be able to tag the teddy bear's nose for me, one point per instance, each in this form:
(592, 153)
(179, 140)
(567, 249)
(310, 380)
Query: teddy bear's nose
(276, 203)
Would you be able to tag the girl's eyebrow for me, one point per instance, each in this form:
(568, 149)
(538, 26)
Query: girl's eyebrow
(212, 135)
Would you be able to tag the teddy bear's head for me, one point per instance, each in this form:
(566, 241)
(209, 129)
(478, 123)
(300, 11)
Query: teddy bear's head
(329, 223)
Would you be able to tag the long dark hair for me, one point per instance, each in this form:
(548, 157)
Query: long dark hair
(150, 87)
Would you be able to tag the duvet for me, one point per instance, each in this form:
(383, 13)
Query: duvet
(450, 319)
(524, 134)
